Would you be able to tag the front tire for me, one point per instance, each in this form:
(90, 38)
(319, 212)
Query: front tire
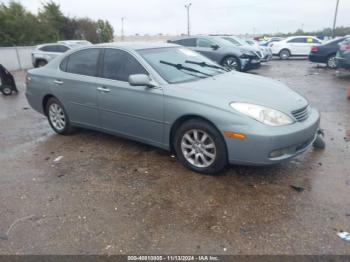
(231, 63)
(57, 117)
(284, 54)
(200, 147)
(6, 91)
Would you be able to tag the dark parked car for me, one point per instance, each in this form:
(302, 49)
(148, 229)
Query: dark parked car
(343, 55)
(221, 51)
(326, 53)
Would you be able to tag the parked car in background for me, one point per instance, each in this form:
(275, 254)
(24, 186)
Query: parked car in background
(326, 53)
(174, 98)
(267, 42)
(294, 46)
(46, 52)
(263, 53)
(266, 51)
(221, 51)
(343, 55)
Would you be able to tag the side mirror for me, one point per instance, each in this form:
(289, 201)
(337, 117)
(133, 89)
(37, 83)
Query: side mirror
(215, 47)
(141, 80)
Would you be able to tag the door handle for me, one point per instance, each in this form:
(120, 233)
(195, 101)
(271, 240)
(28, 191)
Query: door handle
(58, 82)
(103, 89)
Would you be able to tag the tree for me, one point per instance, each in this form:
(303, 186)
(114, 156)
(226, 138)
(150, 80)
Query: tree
(105, 31)
(53, 19)
(18, 26)
(87, 29)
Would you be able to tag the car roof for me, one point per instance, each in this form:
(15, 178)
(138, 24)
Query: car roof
(297, 36)
(49, 44)
(138, 45)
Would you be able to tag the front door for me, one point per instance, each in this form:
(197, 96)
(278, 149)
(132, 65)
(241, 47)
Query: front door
(132, 111)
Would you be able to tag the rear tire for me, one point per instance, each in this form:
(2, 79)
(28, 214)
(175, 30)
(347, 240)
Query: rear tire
(41, 63)
(57, 117)
(200, 147)
(332, 62)
(284, 54)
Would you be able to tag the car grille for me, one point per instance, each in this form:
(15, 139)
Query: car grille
(301, 114)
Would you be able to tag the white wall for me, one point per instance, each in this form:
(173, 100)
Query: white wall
(16, 58)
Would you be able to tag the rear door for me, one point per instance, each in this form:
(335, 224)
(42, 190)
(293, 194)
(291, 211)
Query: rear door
(298, 45)
(76, 86)
(133, 111)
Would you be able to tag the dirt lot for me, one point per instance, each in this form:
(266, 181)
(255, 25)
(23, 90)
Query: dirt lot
(108, 195)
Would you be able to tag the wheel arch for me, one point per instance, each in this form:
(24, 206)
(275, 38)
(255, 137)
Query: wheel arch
(46, 99)
(285, 49)
(178, 122)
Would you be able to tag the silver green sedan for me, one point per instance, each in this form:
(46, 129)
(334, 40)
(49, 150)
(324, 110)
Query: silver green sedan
(171, 97)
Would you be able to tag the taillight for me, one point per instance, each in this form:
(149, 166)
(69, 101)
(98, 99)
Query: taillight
(314, 49)
(345, 47)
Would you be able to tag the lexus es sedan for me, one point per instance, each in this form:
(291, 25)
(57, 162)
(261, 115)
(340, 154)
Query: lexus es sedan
(171, 97)
(221, 51)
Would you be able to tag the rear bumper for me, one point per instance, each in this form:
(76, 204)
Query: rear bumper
(264, 148)
(317, 58)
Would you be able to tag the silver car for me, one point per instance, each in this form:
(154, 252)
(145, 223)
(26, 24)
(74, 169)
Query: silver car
(44, 53)
(171, 97)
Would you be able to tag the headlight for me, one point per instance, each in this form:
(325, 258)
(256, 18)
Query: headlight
(263, 114)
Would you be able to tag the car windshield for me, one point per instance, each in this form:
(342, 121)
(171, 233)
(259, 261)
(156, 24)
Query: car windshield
(178, 64)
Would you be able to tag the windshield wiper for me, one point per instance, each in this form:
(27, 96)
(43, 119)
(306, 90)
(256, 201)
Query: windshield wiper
(182, 67)
(204, 64)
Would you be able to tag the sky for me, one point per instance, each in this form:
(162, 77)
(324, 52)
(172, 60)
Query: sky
(206, 16)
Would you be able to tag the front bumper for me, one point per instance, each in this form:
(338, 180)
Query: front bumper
(250, 63)
(343, 63)
(261, 144)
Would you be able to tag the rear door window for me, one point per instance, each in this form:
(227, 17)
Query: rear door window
(49, 48)
(299, 40)
(190, 42)
(119, 65)
(62, 48)
(83, 62)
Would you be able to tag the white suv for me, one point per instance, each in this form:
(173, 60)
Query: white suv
(294, 46)
(46, 52)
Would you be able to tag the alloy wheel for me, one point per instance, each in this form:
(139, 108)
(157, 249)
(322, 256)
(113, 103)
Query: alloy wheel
(332, 62)
(57, 116)
(231, 63)
(198, 148)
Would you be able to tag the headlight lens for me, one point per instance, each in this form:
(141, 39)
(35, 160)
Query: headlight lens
(263, 114)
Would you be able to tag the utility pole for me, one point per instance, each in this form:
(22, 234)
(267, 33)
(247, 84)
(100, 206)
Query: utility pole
(122, 32)
(188, 17)
(335, 18)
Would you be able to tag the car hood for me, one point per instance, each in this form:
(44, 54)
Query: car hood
(221, 90)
